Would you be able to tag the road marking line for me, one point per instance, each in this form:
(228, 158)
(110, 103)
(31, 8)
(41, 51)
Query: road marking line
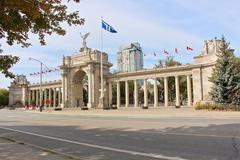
(151, 155)
(190, 134)
(13, 116)
(7, 143)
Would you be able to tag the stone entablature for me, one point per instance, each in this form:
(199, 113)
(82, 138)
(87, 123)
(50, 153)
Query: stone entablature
(49, 84)
(159, 72)
(85, 57)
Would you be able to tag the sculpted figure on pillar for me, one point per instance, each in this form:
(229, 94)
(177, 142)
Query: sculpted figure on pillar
(84, 38)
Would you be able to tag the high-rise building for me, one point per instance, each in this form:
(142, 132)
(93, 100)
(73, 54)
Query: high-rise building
(130, 58)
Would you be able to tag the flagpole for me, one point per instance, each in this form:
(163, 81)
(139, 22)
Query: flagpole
(101, 96)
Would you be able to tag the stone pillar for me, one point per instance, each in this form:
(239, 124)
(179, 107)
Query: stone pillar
(90, 93)
(145, 93)
(135, 93)
(64, 94)
(37, 96)
(60, 97)
(45, 97)
(118, 94)
(29, 97)
(197, 80)
(126, 94)
(33, 99)
(24, 95)
(189, 90)
(155, 93)
(54, 97)
(110, 93)
(166, 91)
(177, 90)
(50, 97)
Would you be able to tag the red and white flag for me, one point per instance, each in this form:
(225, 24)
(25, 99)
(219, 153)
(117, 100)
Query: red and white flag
(176, 50)
(189, 48)
(165, 52)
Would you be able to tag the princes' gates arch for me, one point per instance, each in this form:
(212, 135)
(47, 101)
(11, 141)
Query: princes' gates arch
(68, 92)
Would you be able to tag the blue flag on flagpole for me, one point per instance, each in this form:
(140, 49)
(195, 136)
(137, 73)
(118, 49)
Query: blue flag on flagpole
(107, 27)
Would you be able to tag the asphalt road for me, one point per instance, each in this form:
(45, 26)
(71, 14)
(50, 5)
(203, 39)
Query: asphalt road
(123, 138)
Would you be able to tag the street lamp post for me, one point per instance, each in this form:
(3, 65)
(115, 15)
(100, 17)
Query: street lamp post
(41, 64)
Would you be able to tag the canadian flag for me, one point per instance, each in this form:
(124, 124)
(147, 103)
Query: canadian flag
(165, 52)
(189, 48)
(176, 50)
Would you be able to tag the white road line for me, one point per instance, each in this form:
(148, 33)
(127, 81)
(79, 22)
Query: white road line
(151, 155)
(190, 134)
(13, 116)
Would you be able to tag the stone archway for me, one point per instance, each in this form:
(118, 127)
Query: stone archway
(79, 89)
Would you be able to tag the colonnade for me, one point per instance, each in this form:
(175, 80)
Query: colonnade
(51, 97)
(155, 92)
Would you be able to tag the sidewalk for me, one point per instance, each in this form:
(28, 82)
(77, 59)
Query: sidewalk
(11, 150)
(185, 112)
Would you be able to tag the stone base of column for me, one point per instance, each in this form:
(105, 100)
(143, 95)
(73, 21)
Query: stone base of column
(90, 105)
(144, 107)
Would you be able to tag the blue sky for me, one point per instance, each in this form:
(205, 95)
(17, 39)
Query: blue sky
(155, 24)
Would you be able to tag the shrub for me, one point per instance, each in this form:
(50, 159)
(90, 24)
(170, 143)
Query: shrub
(216, 107)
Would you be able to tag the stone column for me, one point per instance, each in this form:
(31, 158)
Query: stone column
(126, 94)
(37, 96)
(177, 90)
(60, 97)
(166, 91)
(64, 89)
(33, 98)
(29, 97)
(89, 87)
(54, 97)
(45, 97)
(189, 90)
(135, 93)
(110, 93)
(24, 95)
(155, 93)
(145, 93)
(118, 94)
(50, 97)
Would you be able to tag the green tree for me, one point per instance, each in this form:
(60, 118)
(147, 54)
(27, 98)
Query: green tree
(18, 18)
(6, 62)
(170, 62)
(234, 90)
(225, 76)
(4, 95)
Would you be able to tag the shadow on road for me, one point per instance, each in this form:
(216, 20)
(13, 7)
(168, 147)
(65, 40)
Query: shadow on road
(220, 142)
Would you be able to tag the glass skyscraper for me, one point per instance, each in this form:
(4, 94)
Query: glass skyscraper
(130, 58)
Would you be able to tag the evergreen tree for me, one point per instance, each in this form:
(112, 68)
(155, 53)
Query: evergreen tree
(225, 76)
(234, 90)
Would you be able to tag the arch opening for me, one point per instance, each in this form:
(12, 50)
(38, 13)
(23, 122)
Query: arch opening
(80, 89)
